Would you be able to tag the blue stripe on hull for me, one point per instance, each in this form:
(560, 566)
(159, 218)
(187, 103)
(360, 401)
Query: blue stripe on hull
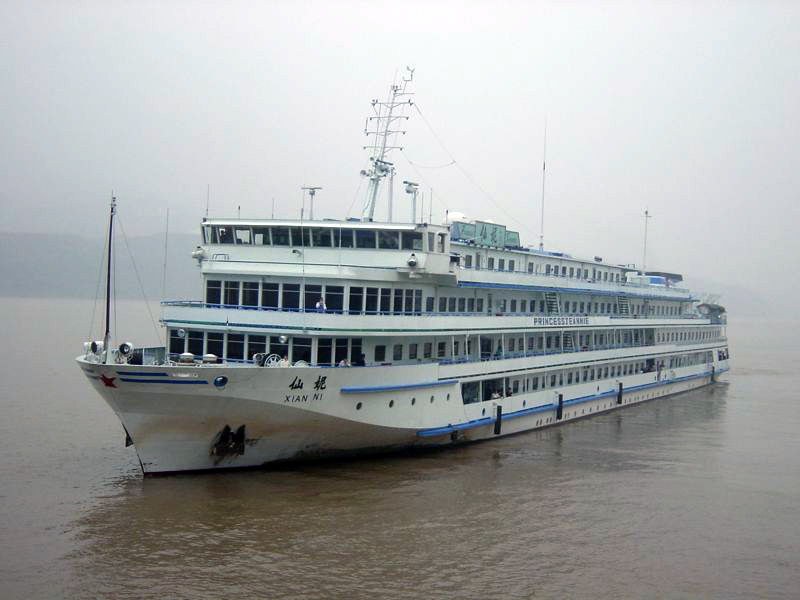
(390, 388)
(173, 381)
(546, 407)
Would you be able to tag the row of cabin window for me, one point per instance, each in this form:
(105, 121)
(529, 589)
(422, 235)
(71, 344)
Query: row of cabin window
(237, 346)
(323, 237)
(493, 346)
(373, 300)
(487, 389)
(555, 270)
(291, 296)
(689, 335)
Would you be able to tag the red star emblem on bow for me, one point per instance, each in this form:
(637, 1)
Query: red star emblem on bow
(108, 381)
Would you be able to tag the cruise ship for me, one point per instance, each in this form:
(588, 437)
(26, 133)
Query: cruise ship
(318, 338)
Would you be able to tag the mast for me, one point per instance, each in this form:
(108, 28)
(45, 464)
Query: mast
(107, 334)
(544, 161)
(644, 250)
(384, 119)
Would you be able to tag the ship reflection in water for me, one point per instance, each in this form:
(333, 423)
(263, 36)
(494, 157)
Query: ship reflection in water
(541, 513)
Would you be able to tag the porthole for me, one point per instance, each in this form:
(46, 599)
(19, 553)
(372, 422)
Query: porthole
(448, 397)
(431, 399)
(221, 381)
(524, 403)
(358, 406)
(413, 401)
(483, 412)
(391, 403)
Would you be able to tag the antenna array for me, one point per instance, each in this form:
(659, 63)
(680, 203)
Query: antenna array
(382, 126)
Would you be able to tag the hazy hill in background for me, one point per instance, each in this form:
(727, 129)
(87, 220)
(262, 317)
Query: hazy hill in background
(51, 265)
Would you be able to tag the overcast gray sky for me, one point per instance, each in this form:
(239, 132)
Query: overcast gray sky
(689, 109)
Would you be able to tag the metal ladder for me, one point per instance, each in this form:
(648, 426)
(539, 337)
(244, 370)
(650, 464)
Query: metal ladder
(568, 342)
(552, 303)
(622, 302)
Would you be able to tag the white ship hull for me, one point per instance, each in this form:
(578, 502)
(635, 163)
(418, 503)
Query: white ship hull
(174, 414)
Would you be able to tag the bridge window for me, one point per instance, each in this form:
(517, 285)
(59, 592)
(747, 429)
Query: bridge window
(280, 236)
(468, 261)
(510, 265)
(243, 235)
(365, 238)
(261, 236)
(397, 352)
(300, 237)
(389, 240)
(501, 264)
(321, 237)
(490, 263)
(411, 240)
(225, 235)
(343, 238)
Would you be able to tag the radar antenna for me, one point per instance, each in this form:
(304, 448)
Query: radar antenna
(382, 125)
(312, 189)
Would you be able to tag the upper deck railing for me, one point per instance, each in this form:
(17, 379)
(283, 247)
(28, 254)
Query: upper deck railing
(415, 313)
